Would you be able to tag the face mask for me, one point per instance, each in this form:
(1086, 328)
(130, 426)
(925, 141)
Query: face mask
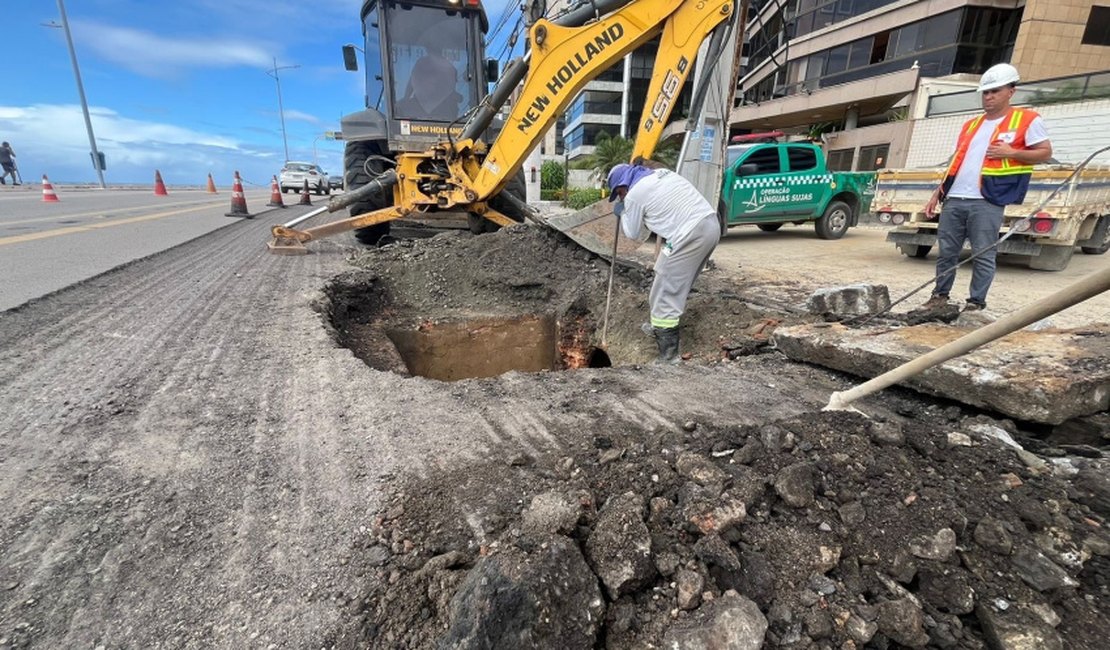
(618, 208)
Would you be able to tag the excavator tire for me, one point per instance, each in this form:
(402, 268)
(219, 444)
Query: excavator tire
(355, 175)
(517, 188)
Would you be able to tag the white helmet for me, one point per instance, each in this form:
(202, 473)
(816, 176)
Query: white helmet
(997, 76)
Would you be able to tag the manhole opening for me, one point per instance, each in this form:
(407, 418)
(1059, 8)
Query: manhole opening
(491, 346)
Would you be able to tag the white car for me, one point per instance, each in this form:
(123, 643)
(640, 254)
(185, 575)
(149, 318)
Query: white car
(294, 174)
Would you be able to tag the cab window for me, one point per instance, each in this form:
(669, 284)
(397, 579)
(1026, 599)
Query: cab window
(801, 158)
(766, 160)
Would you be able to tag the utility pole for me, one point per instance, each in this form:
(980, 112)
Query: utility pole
(81, 94)
(281, 109)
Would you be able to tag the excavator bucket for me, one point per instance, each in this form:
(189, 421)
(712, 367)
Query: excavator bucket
(594, 227)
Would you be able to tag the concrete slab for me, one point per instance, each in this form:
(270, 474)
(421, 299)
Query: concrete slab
(1045, 376)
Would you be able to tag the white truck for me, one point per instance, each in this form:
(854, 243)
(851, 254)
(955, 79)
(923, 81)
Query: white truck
(1079, 215)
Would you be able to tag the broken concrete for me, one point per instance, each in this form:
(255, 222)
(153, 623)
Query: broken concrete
(1047, 376)
(852, 300)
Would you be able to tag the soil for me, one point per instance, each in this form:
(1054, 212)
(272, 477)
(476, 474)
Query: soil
(217, 447)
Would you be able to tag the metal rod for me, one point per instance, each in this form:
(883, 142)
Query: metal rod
(305, 217)
(609, 291)
(1092, 285)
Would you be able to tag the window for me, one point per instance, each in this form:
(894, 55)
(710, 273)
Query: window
(838, 60)
(801, 158)
(1098, 27)
(840, 160)
(766, 160)
(873, 157)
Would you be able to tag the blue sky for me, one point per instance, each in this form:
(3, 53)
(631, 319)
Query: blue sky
(180, 86)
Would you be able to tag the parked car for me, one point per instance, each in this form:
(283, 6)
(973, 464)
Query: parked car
(294, 174)
(769, 184)
(335, 182)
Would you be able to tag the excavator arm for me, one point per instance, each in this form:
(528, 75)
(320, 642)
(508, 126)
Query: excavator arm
(565, 55)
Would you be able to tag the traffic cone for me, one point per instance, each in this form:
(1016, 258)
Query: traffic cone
(211, 185)
(305, 198)
(159, 186)
(48, 195)
(275, 195)
(238, 199)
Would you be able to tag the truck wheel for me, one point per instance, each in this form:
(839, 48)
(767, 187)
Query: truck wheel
(479, 224)
(354, 173)
(769, 227)
(1052, 258)
(1096, 248)
(834, 223)
(915, 250)
(722, 216)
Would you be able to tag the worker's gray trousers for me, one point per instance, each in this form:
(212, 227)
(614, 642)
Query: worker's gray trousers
(675, 273)
(974, 220)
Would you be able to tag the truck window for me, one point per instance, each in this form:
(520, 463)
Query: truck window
(766, 160)
(801, 158)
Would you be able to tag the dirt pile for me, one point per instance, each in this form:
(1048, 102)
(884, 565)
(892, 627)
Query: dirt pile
(828, 531)
(424, 284)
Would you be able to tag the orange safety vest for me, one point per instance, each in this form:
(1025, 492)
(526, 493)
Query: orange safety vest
(1003, 181)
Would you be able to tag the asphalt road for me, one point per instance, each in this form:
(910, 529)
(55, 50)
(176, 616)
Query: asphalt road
(48, 246)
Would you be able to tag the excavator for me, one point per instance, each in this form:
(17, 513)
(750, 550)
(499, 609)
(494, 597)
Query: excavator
(461, 171)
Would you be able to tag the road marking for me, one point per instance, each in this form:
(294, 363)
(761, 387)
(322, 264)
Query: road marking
(57, 232)
(101, 213)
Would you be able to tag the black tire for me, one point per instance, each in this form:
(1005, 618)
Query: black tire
(1099, 249)
(834, 223)
(517, 187)
(915, 250)
(722, 217)
(355, 175)
(768, 227)
(1052, 258)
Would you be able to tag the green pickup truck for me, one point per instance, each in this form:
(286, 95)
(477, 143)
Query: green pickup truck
(771, 183)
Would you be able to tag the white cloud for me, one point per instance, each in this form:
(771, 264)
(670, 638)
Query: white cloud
(52, 139)
(157, 55)
(301, 116)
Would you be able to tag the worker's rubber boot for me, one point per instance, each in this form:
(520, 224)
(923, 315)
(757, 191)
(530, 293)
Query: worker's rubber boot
(667, 340)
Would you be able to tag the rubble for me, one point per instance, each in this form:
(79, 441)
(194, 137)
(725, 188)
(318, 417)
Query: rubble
(830, 551)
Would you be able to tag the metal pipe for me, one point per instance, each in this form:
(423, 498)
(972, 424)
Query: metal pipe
(1092, 285)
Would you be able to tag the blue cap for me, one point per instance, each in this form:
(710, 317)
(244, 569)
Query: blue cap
(619, 175)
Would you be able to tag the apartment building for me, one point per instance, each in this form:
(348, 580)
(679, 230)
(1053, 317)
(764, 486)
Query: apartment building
(850, 71)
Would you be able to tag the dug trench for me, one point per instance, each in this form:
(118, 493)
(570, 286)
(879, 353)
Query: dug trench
(915, 527)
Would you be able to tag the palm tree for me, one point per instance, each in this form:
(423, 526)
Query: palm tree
(609, 151)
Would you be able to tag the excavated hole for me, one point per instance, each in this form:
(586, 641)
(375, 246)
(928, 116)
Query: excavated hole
(449, 346)
(487, 347)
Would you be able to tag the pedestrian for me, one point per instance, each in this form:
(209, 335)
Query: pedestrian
(994, 159)
(7, 162)
(662, 202)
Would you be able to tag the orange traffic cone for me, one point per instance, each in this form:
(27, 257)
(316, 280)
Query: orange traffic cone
(159, 186)
(305, 198)
(211, 185)
(275, 195)
(238, 199)
(48, 195)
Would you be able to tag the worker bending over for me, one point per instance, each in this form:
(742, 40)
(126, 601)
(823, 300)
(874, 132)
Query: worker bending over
(662, 202)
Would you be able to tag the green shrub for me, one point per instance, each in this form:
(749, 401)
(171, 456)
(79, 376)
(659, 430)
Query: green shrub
(552, 176)
(583, 197)
(552, 195)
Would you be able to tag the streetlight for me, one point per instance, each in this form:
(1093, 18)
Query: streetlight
(81, 93)
(281, 110)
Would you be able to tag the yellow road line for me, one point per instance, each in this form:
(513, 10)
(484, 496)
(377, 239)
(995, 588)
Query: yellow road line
(57, 232)
(96, 213)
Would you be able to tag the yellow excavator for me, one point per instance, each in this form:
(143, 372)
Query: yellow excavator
(463, 173)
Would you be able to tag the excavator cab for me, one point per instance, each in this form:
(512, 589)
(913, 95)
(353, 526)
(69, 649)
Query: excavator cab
(424, 71)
